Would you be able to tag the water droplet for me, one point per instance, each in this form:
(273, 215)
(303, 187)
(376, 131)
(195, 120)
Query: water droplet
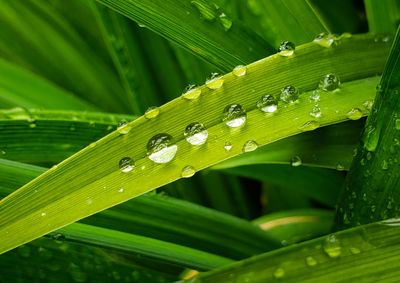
(310, 261)
(354, 250)
(152, 112)
(43, 214)
(123, 128)
(329, 82)
(225, 22)
(234, 115)
(191, 92)
(354, 114)
(267, 104)
(32, 125)
(296, 161)
(369, 155)
(239, 71)
(286, 48)
(362, 161)
(339, 167)
(309, 126)
(249, 146)
(126, 164)
(188, 171)
(160, 148)
(368, 104)
(345, 35)
(385, 165)
(214, 81)
(207, 11)
(196, 134)
(332, 246)
(316, 112)
(89, 201)
(289, 94)
(279, 273)
(58, 238)
(324, 40)
(315, 96)
(228, 146)
(371, 138)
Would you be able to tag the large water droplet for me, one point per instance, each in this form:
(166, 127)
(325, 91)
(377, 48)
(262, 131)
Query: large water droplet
(309, 126)
(228, 146)
(296, 161)
(289, 94)
(329, 82)
(152, 112)
(207, 11)
(196, 134)
(191, 92)
(316, 112)
(279, 273)
(324, 40)
(188, 171)
(160, 148)
(225, 22)
(239, 71)
(267, 104)
(249, 146)
(354, 114)
(286, 48)
(214, 81)
(126, 164)
(332, 246)
(234, 115)
(310, 261)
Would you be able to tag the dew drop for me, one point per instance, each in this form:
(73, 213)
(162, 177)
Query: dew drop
(239, 71)
(339, 167)
(371, 138)
(354, 114)
(332, 246)
(286, 48)
(329, 82)
(160, 148)
(207, 11)
(225, 22)
(58, 238)
(228, 146)
(324, 40)
(296, 161)
(191, 92)
(249, 146)
(267, 104)
(289, 94)
(214, 81)
(123, 128)
(152, 112)
(196, 134)
(316, 112)
(234, 115)
(354, 250)
(315, 96)
(279, 273)
(43, 214)
(126, 164)
(188, 171)
(310, 261)
(309, 126)
(368, 104)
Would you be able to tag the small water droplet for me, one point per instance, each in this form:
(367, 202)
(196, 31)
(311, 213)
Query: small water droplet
(316, 112)
(249, 146)
(354, 114)
(279, 273)
(329, 82)
(368, 104)
(191, 92)
(289, 94)
(121, 190)
(207, 11)
(339, 167)
(315, 96)
(228, 146)
(296, 161)
(371, 138)
(152, 112)
(126, 164)
(286, 48)
(188, 171)
(239, 71)
(89, 201)
(225, 22)
(309, 126)
(123, 128)
(332, 246)
(234, 115)
(214, 81)
(267, 104)
(160, 148)
(310, 261)
(58, 238)
(354, 250)
(43, 214)
(196, 134)
(324, 40)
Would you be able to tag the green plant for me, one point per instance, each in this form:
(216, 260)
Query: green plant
(187, 187)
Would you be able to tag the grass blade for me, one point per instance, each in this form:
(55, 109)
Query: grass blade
(382, 16)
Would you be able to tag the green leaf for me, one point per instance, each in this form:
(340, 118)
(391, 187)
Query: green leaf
(382, 16)
(50, 202)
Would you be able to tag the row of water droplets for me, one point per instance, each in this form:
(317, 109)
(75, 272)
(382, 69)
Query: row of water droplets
(162, 149)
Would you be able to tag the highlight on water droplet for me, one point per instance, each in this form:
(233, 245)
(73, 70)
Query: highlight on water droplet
(126, 164)
(239, 71)
(279, 273)
(58, 238)
(309, 126)
(339, 167)
(160, 148)
(324, 40)
(267, 104)
(234, 115)
(286, 48)
(315, 95)
(188, 171)
(191, 92)
(354, 114)
(329, 82)
(332, 246)
(310, 261)
(196, 133)
(123, 127)
(368, 104)
(250, 146)
(152, 112)
(227, 146)
(289, 94)
(296, 161)
(225, 22)
(214, 81)
(207, 11)
(316, 112)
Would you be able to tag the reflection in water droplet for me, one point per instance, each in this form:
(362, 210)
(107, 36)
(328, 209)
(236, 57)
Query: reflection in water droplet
(286, 48)
(234, 115)
(296, 161)
(126, 164)
(152, 112)
(228, 146)
(249, 146)
(214, 81)
(196, 134)
(188, 171)
(289, 94)
(332, 246)
(267, 104)
(316, 112)
(239, 71)
(191, 92)
(354, 114)
(160, 148)
(329, 82)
